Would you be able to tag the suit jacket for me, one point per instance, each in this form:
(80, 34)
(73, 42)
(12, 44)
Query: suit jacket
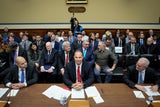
(128, 48)
(21, 52)
(87, 74)
(27, 44)
(76, 46)
(116, 41)
(89, 56)
(41, 45)
(56, 45)
(152, 49)
(51, 61)
(131, 76)
(61, 58)
(95, 45)
(31, 74)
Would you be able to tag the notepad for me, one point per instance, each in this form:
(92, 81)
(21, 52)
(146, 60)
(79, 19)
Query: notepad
(3, 91)
(138, 94)
(13, 93)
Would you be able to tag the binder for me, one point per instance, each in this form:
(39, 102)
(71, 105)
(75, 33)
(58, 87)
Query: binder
(78, 103)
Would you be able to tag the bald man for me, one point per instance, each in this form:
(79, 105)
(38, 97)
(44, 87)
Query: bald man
(78, 73)
(21, 75)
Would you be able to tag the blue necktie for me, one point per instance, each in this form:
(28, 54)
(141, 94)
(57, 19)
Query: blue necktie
(140, 80)
(84, 52)
(22, 76)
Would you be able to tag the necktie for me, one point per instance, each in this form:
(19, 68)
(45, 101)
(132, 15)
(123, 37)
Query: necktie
(140, 80)
(78, 74)
(48, 56)
(141, 42)
(24, 45)
(15, 56)
(22, 76)
(67, 58)
(84, 53)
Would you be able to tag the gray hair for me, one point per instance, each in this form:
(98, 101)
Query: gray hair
(145, 61)
(64, 44)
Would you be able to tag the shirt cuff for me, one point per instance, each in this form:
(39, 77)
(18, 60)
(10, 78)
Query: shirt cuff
(25, 84)
(52, 67)
(62, 69)
(8, 84)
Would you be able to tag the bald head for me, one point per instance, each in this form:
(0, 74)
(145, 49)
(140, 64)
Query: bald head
(48, 46)
(21, 62)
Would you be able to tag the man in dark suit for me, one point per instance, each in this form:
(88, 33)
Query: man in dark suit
(119, 41)
(78, 73)
(16, 50)
(77, 44)
(48, 64)
(21, 74)
(54, 43)
(132, 47)
(39, 42)
(65, 56)
(87, 52)
(93, 42)
(141, 73)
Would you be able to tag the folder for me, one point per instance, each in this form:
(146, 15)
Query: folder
(154, 104)
(78, 103)
(4, 104)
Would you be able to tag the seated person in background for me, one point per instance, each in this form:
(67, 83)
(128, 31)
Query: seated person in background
(109, 45)
(78, 73)
(16, 50)
(21, 75)
(65, 56)
(34, 54)
(102, 58)
(87, 52)
(132, 47)
(48, 64)
(149, 48)
(140, 73)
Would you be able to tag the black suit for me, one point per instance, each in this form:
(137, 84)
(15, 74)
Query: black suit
(87, 74)
(76, 45)
(61, 59)
(12, 76)
(128, 48)
(52, 61)
(149, 49)
(131, 76)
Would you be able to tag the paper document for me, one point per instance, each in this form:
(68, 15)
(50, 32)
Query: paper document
(98, 99)
(93, 93)
(13, 93)
(77, 93)
(56, 92)
(3, 91)
(138, 94)
(149, 92)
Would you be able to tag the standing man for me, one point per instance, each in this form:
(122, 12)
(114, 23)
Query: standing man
(140, 73)
(21, 75)
(102, 58)
(78, 73)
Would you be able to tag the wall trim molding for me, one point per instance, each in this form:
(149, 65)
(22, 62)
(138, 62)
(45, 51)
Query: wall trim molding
(84, 24)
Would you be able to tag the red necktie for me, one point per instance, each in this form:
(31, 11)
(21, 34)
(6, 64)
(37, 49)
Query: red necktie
(78, 74)
(67, 59)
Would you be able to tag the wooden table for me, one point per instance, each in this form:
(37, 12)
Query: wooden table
(114, 95)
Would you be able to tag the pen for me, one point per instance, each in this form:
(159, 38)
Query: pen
(102, 90)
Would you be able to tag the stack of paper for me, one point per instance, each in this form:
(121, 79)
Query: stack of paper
(77, 93)
(92, 92)
(3, 91)
(149, 92)
(56, 92)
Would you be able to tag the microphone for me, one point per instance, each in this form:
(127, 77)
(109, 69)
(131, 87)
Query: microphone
(9, 96)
